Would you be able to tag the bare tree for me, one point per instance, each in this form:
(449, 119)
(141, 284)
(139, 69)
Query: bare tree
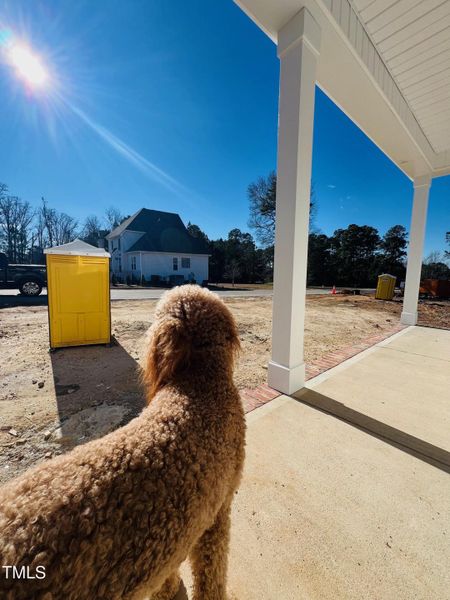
(434, 257)
(48, 217)
(16, 216)
(5, 220)
(113, 217)
(65, 228)
(262, 198)
(23, 220)
(39, 230)
(92, 230)
(60, 227)
(232, 270)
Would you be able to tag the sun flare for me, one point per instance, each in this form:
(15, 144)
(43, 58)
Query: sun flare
(28, 66)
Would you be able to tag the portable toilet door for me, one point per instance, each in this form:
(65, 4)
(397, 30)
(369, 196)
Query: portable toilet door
(78, 295)
(385, 287)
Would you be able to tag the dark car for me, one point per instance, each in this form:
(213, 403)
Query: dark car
(30, 279)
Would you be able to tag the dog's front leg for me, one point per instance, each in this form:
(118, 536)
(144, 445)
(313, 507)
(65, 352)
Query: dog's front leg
(169, 589)
(209, 558)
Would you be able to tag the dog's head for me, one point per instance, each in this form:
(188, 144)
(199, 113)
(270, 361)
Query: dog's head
(192, 328)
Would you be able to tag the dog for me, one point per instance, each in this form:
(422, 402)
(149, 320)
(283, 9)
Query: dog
(115, 518)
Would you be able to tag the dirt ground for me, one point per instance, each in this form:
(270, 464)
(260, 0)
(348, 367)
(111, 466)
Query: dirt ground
(50, 402)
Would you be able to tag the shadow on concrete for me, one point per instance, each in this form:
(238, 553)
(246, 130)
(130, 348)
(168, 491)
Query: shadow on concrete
(433, 455)
(11, 300)
(97, 390)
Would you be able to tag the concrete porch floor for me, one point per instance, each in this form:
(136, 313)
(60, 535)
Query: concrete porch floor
(346, 488)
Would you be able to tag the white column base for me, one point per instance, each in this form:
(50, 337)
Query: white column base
(408, 318)
(286, 380)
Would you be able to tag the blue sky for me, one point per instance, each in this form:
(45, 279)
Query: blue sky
(173, 106)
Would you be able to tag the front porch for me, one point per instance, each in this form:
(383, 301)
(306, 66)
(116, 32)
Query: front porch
(382, 63)
(346, 486)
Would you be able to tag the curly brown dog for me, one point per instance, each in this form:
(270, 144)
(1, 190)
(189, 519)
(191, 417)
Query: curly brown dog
(116, 517)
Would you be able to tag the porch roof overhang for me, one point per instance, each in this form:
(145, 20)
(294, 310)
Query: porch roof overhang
(401, 104)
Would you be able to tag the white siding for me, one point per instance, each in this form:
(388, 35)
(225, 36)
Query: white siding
(128, 264)
(117, 246)
(129, 238)
(161, 263)
(153, 263)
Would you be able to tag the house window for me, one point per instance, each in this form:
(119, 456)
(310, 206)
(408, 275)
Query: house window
(133, 263)
(175, 263)
(120, 265)
(118, 244)
(185, 263)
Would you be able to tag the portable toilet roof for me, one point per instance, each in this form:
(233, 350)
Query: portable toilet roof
(78, 248)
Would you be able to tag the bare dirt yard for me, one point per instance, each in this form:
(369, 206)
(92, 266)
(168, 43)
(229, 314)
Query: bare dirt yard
(50, 402)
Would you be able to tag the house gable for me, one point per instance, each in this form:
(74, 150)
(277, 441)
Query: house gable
(161, 232)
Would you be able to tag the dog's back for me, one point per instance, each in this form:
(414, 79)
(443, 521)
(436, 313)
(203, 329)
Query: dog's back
(121, 513)
(124, 509)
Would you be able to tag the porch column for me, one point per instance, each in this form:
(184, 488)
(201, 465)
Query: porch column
(298, 50)
(415, 251)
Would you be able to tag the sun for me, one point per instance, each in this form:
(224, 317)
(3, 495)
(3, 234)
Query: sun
(28, 66)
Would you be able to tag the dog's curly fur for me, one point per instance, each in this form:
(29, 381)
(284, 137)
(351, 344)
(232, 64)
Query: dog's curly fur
(116, 517)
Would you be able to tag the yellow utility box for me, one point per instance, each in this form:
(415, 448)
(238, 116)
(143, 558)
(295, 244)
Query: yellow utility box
(78, 295)
(385, 287)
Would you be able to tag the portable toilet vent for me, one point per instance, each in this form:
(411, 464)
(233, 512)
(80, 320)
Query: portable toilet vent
(78, 295)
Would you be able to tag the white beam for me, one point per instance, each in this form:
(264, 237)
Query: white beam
(415, 252)
(298, 50)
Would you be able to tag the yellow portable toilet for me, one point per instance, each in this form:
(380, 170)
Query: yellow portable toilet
(385, 287)
(78, 295)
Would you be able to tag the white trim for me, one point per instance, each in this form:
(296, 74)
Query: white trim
(415, 250)
(113, 237)
(302, 28)
(423, 181)
(286, 371)
(408, 318)
(286, 379)
(337, 27)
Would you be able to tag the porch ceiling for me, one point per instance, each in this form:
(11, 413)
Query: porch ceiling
(413, 39)
(386, 64)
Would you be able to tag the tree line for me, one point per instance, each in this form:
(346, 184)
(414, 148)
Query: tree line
(352, 257)
(25, 230)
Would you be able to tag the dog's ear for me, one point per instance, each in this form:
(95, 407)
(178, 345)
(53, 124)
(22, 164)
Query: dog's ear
(234, 338)
(168, 354)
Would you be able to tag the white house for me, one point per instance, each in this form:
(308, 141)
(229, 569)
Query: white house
(155, 243)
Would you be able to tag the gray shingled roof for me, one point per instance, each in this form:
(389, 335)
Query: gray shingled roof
(164, 232)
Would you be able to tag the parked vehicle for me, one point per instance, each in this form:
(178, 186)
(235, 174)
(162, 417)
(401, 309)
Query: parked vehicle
(30, 279)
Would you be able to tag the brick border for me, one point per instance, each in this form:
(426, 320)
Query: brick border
(253, 398)
(332, 359)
